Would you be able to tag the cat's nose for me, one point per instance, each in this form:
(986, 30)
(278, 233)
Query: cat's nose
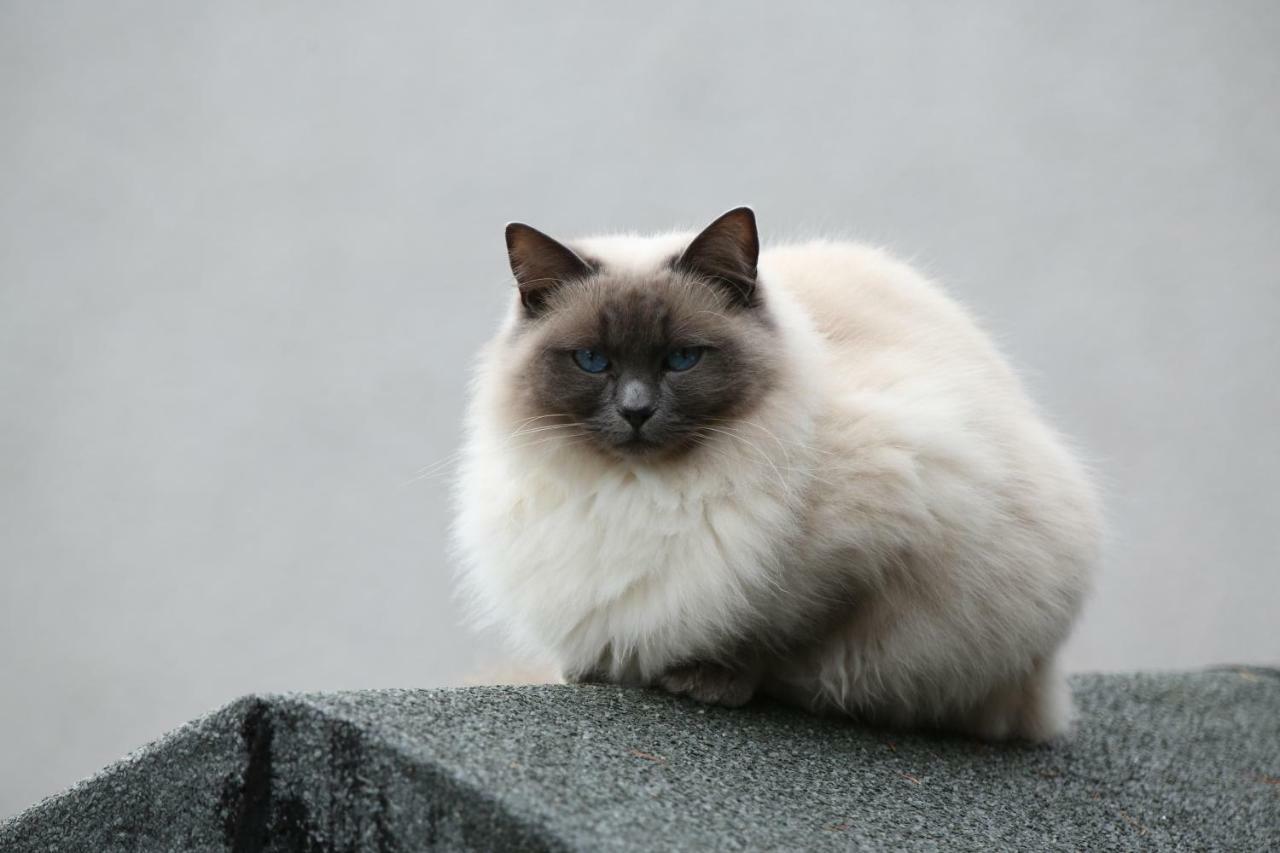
(636, 415)
(636, 403)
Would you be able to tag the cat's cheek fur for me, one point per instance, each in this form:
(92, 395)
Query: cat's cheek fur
(901, 537)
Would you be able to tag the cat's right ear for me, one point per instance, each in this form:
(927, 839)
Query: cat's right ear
(540, 265)
(726, 252)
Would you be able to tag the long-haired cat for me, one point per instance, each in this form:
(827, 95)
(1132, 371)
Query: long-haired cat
(804, 472)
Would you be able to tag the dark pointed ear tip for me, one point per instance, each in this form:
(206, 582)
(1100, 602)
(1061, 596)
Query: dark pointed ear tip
(743, 217)
(515, 230)
(741, 212)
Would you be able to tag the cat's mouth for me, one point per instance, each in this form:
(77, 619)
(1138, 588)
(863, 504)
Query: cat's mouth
(639, 445)
(648, 441)
(636, 443)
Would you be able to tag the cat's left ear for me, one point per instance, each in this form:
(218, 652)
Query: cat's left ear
(726, 253)
(540, 264)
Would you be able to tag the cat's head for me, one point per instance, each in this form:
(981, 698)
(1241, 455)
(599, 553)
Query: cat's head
(641, 362)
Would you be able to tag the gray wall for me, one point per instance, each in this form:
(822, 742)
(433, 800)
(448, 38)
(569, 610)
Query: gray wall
(247, 252)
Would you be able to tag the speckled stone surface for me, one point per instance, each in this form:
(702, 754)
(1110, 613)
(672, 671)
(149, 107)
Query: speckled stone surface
(1168, 761)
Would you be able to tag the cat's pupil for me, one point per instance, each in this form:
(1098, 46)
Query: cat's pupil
(590, 360)
(684, 358)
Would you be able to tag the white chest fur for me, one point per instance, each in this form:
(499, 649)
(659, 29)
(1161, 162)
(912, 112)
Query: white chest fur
(625, 570)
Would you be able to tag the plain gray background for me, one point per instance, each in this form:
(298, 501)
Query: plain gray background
(248, 250)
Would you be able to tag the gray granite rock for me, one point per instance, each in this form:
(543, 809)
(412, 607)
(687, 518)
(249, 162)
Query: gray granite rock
(1170, 761)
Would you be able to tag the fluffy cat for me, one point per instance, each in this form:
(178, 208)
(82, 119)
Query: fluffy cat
(806, 473)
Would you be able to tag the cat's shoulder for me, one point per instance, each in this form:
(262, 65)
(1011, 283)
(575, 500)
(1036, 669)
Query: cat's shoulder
(819, 271)
(842, 256)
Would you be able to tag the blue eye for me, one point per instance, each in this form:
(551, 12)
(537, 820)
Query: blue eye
(684, 358)
(590, 360)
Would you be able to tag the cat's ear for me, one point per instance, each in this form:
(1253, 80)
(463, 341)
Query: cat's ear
(540, 264)
(726, 253)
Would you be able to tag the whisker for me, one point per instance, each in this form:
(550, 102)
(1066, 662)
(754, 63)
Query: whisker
(543, 429)
(807, 472)
(526, 421)
(761, 427)
(781, 480)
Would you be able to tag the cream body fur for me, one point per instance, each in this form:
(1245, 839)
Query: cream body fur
(895, 512)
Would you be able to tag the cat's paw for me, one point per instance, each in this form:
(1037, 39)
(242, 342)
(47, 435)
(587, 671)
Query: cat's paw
(586, 676)
(710, 683)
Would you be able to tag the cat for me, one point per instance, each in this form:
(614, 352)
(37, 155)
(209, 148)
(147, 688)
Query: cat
(804, 473)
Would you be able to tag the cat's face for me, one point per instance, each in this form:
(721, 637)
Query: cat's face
(643, 365)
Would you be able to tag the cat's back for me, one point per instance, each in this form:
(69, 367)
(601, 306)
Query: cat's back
(908, 372)
(904, 365)
(880, 318)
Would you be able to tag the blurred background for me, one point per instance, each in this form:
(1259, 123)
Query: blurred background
(247, 252)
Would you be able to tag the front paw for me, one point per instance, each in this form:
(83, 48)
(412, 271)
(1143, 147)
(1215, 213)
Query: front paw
(586, 676)
(710, 683)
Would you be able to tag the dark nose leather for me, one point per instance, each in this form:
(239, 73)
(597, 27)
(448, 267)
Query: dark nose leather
(636, 403)
(636, 415)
